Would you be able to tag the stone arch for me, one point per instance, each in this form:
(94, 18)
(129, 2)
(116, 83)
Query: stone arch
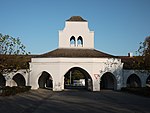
(87, 79)
(148, 80)
(133, 81)
(2, 80)
(108, 81)
(72, 41)
(19, 79)
(80, 41)
(45, 80)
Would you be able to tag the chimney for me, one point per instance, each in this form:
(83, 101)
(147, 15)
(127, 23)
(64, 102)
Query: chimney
(130, 54)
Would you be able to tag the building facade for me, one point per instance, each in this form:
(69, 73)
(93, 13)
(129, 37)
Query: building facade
(76, 52)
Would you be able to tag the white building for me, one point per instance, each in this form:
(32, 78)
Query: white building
(76, 52)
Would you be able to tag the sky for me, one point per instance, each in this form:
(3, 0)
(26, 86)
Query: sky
(119, 25)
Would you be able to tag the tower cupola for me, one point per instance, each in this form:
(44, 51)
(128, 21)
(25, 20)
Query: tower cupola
(76, 34)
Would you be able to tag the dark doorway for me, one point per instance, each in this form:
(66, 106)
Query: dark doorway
(2, 80)
(133, 81)
(19, 79)
(108, 81)
(148, 80)
(45, 81)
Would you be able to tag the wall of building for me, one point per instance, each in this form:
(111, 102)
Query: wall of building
(9, 77)
(58, 67)
(142, 74)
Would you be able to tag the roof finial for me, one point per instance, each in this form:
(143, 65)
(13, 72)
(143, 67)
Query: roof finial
(76, 18)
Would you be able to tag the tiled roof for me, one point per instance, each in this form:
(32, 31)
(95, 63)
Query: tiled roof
(129, 62)
(83, 53)
(132, 62)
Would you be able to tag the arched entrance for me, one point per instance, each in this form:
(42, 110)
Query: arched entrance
(108, 81)
(19, 79)
(45, 80)
(2, 80)
(148, 80)
(133, 81)
(78, 78)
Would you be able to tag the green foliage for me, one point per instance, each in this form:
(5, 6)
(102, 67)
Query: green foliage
(144, 49)
(143, 58)
(10, 45)
(76, 75)
(12, 52)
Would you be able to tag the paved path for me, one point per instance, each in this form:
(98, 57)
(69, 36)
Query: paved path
(72, 101)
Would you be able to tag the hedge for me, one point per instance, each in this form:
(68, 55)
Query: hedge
(144, 91)
(7, 90)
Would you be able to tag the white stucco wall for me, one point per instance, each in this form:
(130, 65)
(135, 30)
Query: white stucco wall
(76, 29)
(58, 67)
(9, 77)
(114, 66)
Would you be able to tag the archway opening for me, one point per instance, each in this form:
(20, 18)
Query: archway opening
(72, 41)
(80, 41)
(45, 81)
(148, 80)
(78, 78)
(108, 81)
(133, 81)
(2, 80)
(19, 79)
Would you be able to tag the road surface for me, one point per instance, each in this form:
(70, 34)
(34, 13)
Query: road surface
(74, 101)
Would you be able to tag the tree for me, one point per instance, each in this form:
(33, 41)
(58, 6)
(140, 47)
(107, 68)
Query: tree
(144, 54)
(75, 75)
(12, 54)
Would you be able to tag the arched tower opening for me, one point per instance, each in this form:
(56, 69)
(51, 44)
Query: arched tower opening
(45, 81)
(72, 41)
(77, 78)
(80, 41)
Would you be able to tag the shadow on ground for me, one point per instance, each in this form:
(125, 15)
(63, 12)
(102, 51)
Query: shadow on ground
(74, 101)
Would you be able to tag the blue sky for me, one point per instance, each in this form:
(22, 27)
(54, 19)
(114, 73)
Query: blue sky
(119, 25)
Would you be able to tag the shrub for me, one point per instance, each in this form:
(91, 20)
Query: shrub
(144, 91)
(7, 90)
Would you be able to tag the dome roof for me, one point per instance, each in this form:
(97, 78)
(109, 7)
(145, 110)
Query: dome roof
(76, 18)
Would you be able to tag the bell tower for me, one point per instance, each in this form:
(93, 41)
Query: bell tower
(76, 34)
